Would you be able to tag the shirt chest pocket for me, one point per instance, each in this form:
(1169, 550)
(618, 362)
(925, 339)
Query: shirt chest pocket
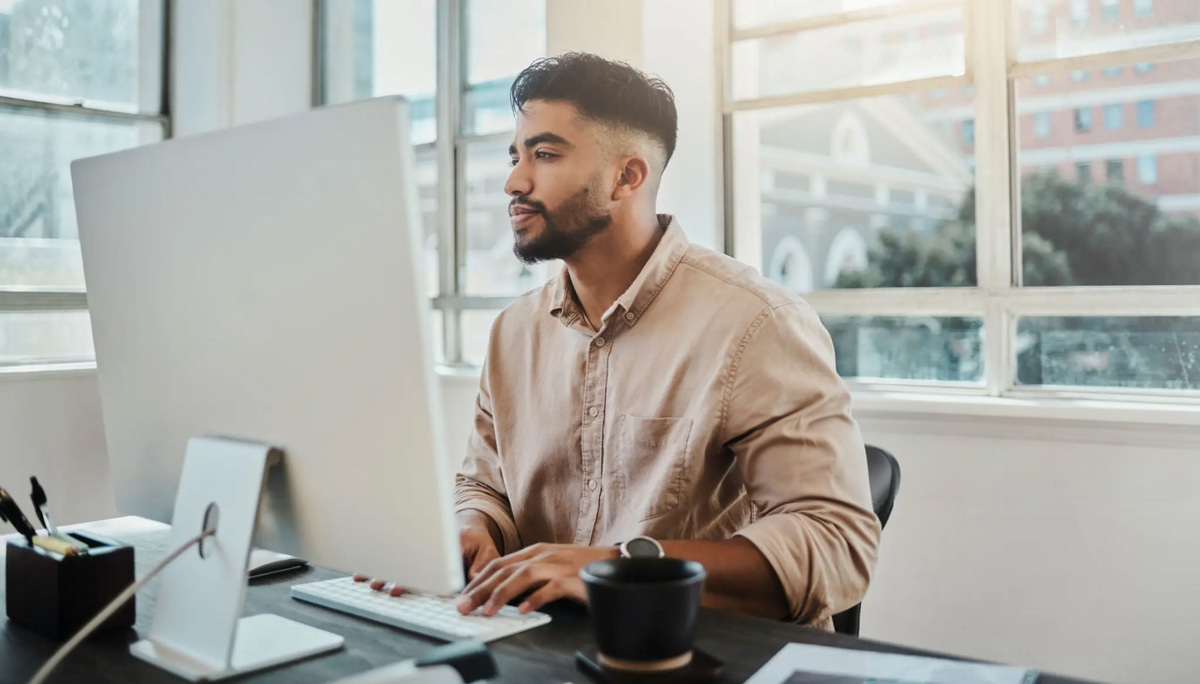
(651, 463)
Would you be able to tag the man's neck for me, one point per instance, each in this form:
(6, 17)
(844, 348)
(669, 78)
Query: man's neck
(604, 269)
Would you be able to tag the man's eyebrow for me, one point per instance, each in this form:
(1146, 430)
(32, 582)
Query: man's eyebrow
(538, 139)
(546, 138)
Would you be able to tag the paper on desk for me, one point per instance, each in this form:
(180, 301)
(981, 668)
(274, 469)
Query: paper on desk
(806, 664)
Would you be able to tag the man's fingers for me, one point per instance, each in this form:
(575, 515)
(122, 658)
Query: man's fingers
(490, 568)
(550, 591)
(382, 585)
(503, 561)
(480, 561)
(485, 584)
(524, 578)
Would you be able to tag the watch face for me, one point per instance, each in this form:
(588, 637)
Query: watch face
(642, 547)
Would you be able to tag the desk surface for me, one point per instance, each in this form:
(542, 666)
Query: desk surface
(545, 654)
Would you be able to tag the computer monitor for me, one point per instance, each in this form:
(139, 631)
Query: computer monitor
(265, 282)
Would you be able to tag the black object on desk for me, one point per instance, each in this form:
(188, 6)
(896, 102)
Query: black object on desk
(55, 595)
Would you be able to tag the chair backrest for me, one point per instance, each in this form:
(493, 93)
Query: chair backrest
(883, 471)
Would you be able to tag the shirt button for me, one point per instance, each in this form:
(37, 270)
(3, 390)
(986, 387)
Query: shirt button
(593, 412)
(629, 317)
(592, 485)
(599, 341)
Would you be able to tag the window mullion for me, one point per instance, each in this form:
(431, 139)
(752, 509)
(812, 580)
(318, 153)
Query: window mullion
(993, 186)
(448, 103)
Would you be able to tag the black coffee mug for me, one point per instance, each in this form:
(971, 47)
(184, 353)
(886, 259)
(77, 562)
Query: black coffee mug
(644, 611)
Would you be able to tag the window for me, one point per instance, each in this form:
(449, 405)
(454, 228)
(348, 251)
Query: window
(1113, 117)
(864, 164)
(1041, 125)
(1079, 76)
(1083, 173)
(768, 65)
(1129, 352)
(1147, 166)
(1115, 168)
(1079, 11)
(1083, 119)
(1145, 113)
(377, 47)
(106, 61)
(1120, 27)
(1144, 68)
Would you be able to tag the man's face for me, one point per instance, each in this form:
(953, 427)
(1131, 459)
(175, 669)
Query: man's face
(560, 195)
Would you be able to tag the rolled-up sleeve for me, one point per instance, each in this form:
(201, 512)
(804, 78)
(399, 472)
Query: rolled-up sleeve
(787, 421)
(479, 485)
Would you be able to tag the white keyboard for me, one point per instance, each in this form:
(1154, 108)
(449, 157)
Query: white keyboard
(427, 614)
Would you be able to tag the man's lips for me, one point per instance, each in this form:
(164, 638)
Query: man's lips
(522, 215)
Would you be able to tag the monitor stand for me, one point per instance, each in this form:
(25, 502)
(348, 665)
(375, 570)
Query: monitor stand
(198, 631)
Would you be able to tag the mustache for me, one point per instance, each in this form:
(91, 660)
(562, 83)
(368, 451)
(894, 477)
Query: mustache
(530, 204)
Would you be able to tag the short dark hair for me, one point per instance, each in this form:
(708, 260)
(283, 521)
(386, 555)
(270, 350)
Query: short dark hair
(607, 91)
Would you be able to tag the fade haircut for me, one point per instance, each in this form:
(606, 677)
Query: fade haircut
(611, 93)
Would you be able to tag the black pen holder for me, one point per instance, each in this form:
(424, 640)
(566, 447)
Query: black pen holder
(55, 595)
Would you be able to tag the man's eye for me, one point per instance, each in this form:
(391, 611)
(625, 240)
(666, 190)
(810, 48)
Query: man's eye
(514, 161)
(542, 154)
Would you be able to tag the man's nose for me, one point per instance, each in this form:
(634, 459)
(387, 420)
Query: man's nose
(519, 182)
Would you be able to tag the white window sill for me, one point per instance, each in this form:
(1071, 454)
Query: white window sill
(901, 405)
(929, 406)
(50, 371)
(889, 406)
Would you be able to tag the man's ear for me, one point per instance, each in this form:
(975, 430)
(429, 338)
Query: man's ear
(635, 171)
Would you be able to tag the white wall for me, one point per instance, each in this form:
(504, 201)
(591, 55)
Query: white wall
(50, 427)
(612, 28)
(691, 186)
(239, 62)
(1070, 547)
(1073, 550)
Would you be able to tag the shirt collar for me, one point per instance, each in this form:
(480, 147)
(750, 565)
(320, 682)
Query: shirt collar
(650, 281)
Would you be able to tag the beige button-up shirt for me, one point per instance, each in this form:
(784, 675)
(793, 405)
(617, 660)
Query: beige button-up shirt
(705, 406)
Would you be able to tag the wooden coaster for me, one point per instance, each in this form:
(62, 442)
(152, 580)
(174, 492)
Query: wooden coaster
(703, 668)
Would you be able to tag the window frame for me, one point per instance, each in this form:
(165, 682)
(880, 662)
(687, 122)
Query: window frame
(993, 68)
(154, 25)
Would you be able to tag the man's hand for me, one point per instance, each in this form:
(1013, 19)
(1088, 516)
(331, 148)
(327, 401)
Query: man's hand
(478, 549)
(478, 537)
(551, 569)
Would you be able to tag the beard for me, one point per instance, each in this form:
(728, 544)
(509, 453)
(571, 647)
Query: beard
(566, 229)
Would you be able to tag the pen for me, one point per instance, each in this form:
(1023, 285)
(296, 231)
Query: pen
(11, 513)
(41, 506)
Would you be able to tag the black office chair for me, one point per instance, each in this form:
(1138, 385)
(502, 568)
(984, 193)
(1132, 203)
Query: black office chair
(884, 473)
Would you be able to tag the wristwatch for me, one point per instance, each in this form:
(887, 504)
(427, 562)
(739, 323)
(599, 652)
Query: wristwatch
(641, 547)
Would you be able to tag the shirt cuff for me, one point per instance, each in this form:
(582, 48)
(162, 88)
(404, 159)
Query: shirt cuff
(510, 541)
(774, 536)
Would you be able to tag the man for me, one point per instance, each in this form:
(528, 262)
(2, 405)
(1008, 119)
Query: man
(653, 388)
